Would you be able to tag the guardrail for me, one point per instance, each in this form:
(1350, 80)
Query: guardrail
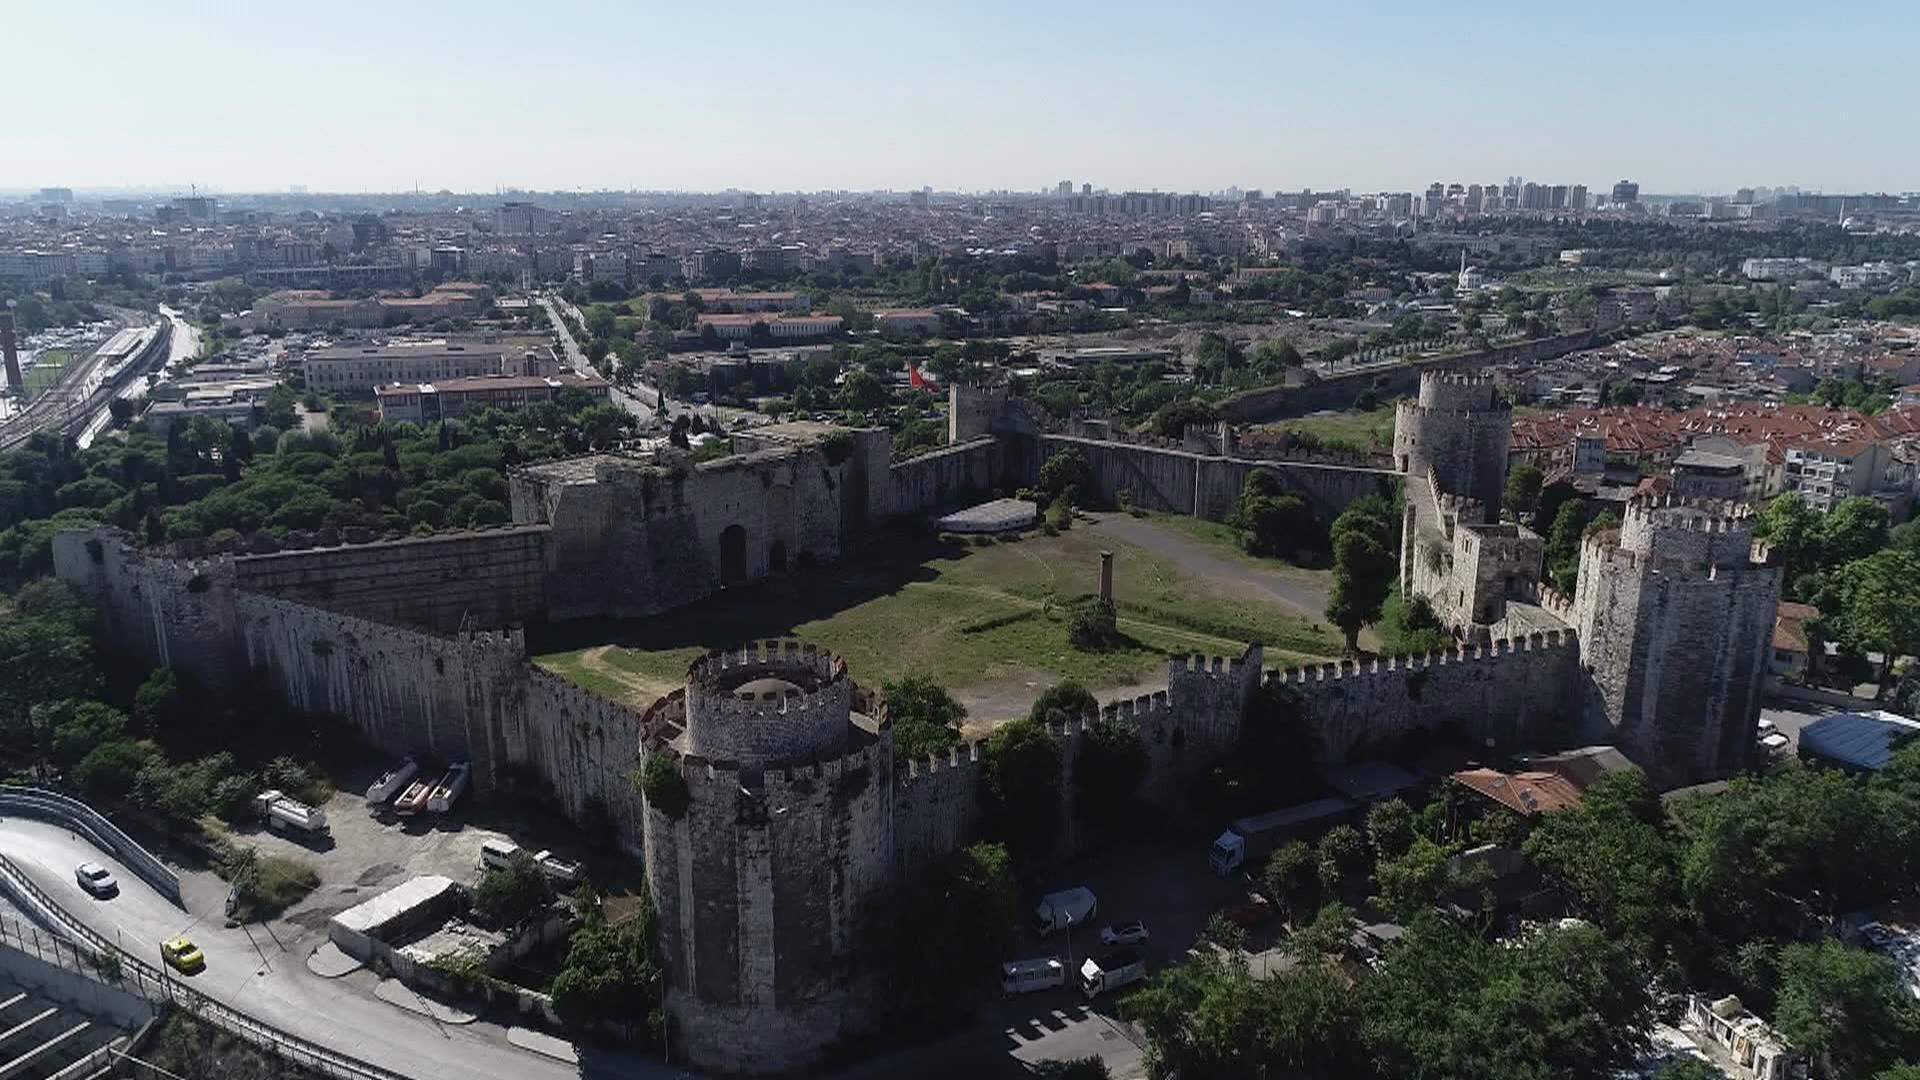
(88, 953)
(72, 813)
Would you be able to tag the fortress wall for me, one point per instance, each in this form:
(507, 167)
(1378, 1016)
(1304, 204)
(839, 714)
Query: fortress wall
(494, 576)
(637, 540)
(936, 806)
(1515, 693)
(1341, 391)
(406, 690)
(1182, 482)
(586, 746)
(946, 479)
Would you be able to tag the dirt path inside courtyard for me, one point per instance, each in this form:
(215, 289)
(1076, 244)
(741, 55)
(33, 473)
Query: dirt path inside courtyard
(1302, 591)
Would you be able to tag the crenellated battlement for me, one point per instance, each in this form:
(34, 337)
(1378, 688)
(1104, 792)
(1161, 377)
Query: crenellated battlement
(717, 665)
(766, 701)
(1542, 641)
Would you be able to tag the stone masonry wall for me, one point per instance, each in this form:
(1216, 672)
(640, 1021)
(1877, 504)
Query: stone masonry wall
(493, 577)
(1517, 694)
(766, 890)
(1676, 657)
(469, 697)
(946, 479)
(634, 541)
(1182, 482)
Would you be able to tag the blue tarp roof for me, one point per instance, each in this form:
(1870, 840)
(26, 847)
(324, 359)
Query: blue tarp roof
(1856, 740)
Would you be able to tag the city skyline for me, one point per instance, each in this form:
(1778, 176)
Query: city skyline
(870, 97)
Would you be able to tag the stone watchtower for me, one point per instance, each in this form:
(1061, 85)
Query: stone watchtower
(763, 879)
(1460, 430)
(1675, 617)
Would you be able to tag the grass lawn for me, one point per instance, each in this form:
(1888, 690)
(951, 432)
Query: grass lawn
(1372, 430)
(987, 621)
(47, 367)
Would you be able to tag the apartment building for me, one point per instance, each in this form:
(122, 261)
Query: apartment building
(421, 403)
(739, 327)
(358, 369)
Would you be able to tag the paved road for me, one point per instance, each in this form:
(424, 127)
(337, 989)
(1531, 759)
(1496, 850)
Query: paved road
(572, 355)
(276, 987)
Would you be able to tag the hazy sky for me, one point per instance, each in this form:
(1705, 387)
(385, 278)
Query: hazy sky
(1682, 95)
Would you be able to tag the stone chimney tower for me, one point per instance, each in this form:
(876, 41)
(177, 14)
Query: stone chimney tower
(10, 349)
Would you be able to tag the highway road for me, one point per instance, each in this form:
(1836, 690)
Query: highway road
(251, 975)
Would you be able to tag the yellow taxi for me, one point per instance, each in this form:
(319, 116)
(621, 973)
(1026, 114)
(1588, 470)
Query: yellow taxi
(183, 955)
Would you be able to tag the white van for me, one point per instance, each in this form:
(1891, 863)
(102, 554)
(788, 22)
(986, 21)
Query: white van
(497, 854)
(1025, 976)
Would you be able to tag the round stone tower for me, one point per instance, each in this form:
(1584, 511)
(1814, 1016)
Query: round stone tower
(763, 878)
(1460, 430)
(1675, 618)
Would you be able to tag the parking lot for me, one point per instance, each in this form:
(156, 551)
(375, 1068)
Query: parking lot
(366, 852)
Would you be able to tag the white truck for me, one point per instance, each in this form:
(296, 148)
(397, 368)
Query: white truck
(392, 782)
(1064, 909)
(1102, 974)
(1254, 837)
(282, 813)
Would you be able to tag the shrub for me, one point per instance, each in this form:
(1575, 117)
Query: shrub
(507, 895)
(1094, 627)
(665, 789)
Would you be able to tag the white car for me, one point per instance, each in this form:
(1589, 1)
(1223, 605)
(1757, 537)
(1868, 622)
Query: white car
(1774, 741)
(1126, 933)
(96, 879)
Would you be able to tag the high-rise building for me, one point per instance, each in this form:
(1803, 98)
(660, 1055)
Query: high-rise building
(61, 195)
(521, 219)
(1086, 190)
(1626, 191)
(1577, 197)
(1557, 197)
(1063, 189)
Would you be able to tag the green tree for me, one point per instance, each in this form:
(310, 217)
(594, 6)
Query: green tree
(946, 931)
(1844, 1008)
(1875, 605)
(924, 716)
(1344, 860)
(1021, 784)
(160, 705)
(1063, 701)
(1111, 763)
(1291, 879)
(1523, 490)
(507, 895)
(1208, 1016)
(862, 392)
(1793, 535)
(612, 975)
(1611, 856)
(1389, 828)
(1853, 529)
(1563, 545)
(1363, 575)
(1271, 520)
(1067, 474)
(78, 727)
(110, 771)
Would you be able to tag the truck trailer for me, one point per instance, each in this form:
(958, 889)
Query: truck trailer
(1253, 838)
(283, 813)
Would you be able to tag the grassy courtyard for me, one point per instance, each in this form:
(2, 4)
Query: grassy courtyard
(1371, 430)
(989, 621)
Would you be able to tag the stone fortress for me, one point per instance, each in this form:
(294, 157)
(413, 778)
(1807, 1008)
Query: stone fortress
(799, 820)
